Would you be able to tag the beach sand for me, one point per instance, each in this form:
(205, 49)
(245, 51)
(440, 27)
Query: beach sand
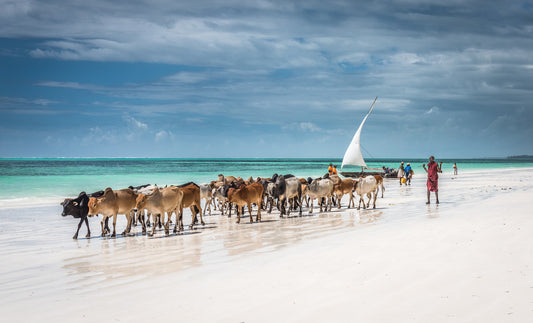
(468, 259)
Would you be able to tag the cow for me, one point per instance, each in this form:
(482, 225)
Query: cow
(221, 194)
(226, 179)
(318, 189)
(191, 199)
(247, 195)
(379, 181)
(161, 201)
(112, 203)
(286, 189)
(344, 187)
(206, 193)
(79, 208)
(366, 186)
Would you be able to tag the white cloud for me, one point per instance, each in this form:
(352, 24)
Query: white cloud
(309, 126)
(163, 135)
(135, 123)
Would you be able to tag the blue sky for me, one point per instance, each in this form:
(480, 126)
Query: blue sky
(265, 78)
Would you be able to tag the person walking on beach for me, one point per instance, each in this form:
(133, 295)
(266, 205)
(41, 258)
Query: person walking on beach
(401, 172)
(433, 177)
(330, 169)
(408, 174)
(455, 169)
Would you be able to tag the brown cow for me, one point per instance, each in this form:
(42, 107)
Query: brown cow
(163, 200)
(191, 199)
(246, 195)
(344, 187)
(226, 179)
(112, 203)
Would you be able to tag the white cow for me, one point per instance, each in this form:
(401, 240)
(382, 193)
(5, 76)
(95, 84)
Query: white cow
(318, 189)
(366, 186)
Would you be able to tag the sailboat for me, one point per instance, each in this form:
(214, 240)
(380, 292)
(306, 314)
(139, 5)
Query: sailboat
(353, 155)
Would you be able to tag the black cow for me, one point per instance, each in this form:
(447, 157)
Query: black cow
(78, 208)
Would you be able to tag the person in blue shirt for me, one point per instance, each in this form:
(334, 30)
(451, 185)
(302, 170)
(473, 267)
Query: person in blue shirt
(408, 174)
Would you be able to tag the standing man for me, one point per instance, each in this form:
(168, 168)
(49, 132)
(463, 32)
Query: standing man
(335, 170)
(455, 169)
(408, 174)
(433, 177)
(330, 169)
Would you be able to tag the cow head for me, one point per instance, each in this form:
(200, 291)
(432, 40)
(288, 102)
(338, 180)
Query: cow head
(93, 205)
(70, 207)
(140, 202)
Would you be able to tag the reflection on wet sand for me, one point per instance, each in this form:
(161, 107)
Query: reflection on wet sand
(220, 240)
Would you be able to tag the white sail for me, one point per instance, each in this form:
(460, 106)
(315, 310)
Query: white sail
(353, 155)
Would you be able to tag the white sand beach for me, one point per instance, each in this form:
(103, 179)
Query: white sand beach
(469, 259)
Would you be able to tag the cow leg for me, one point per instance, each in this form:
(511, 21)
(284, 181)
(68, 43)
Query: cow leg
(114, 226)
(194, 220)
(88, 230)
(154, 221)
(311, 208)
(281, 206)
(104, 219)
(382, 190)
(238, 214)
(79, 226)
(375, 198)
(339, 198)
(129, 217)
(258, 216)
(249, 211)
(199, 206)
(143, 221)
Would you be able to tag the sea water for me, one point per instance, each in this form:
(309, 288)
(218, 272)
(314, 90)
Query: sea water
(54, 179)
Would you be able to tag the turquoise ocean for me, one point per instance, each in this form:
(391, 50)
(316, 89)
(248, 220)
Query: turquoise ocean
(62, 177)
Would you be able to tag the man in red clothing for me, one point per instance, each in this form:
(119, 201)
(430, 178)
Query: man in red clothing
(433, 178)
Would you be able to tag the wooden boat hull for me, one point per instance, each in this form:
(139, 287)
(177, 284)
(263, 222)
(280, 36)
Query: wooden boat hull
(359, 174)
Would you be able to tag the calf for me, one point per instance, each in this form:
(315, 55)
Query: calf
(247, 195)
(79, 208)
(112, 203)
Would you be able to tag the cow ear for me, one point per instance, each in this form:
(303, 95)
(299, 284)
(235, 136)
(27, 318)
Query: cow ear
(75, 203)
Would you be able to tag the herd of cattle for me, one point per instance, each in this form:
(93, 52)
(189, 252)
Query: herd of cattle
(286, 192)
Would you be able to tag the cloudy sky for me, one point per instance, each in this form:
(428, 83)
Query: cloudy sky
(265, 78)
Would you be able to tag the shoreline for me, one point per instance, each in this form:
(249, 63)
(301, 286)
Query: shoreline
(46, 201)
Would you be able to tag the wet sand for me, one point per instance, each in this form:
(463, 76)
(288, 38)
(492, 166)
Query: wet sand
(468, 259)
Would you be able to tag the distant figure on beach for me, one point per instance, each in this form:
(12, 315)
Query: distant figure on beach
(408, 174)
(455, 169)
(433, 177)
(401, 172)
(330, 169)
(335, 170)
